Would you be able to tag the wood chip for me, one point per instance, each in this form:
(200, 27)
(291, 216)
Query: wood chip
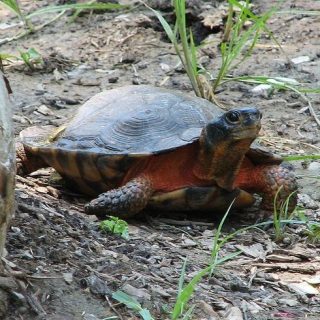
(43, 109)
(234, 313)
(256, 250)
(280, 258)
(208, 310)
(303, 288)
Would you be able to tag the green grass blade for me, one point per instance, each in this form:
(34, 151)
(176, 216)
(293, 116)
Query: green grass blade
(9, 57)
(145, 314)
(298, 11)
(129, 301)
(193, 51)
(277, 82)
(180, 11)
(189, 313)
(216, 246)
(132, 303)
(13, 6)
(298, 157)
(187, 292)
(182, 276)
(165, 25)
(78, 6)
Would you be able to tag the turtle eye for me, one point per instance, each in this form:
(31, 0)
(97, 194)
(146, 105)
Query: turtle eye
(233, 117)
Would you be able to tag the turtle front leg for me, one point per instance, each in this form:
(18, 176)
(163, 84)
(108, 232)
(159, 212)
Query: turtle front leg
(270, 181)
(123, 202)
(279, 181)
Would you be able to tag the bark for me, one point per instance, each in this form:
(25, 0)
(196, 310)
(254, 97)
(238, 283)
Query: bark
(7, 173)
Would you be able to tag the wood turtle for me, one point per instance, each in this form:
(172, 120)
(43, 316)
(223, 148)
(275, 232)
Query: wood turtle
(140, 146)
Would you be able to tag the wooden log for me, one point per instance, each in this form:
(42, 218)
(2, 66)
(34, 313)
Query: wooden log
(7, 174)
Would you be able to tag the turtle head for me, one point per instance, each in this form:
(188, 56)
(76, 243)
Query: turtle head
(224, 142)
(232, 126)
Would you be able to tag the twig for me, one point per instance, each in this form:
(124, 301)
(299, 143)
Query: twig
(182, 223)
(113, 308)
(288, 267)
(102, 275)
(29, 31)
(311, 110)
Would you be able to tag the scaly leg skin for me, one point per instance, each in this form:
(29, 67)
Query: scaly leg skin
(279, 178)
(123, 202)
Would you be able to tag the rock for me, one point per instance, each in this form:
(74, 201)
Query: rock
(288, 302)
(68, 277)
(314, 166)
(263, 90)
(165, 67)
(307, 202)
(57, 75)
(20, 119)
(89, 317)
(140, 294)
(234, 313)
(158, 290)
(96, 285)
(251, 306)
(300, 59)
(313, 280)
(188, 243)
(113, 79)
(75, 73)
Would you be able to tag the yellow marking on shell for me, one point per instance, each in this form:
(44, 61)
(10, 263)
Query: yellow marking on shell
(56, 134)
(32, 149)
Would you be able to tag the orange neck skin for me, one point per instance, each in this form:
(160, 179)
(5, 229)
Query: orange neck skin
(170, 171)
(251, 177)
(176, 170)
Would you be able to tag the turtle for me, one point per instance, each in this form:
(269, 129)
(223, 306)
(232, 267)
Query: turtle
(138, 147)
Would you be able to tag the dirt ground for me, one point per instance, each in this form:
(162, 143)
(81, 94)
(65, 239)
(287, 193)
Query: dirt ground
(72, 267)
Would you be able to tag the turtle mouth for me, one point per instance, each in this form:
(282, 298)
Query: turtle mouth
(245, 133)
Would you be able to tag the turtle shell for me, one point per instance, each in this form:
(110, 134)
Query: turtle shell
(137, 120)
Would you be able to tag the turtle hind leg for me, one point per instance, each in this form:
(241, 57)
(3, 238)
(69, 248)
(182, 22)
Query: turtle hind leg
(123, 202)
